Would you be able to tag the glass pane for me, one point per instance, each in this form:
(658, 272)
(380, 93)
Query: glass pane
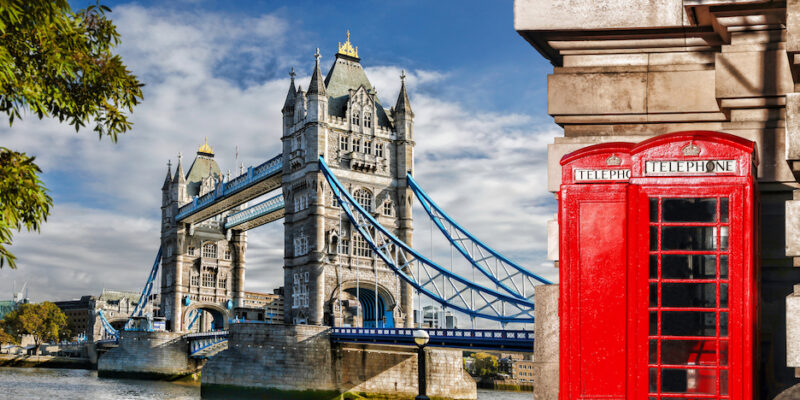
(723, 209)
(688, 323)
(653, 210)
(653, 267)
(654, 238)
(723, 381)
(653, 295)
(723, 324)
(681, 266)
(688, 295)
(723, 295)
(653, 386)
(688, 238)
(723, 238)
(695, 381)
(653, 323)
(653, 353)
(689, 352)
(723, 267)
(689, 210)
(723, 352)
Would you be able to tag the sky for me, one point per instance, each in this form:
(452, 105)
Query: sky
(220, 70)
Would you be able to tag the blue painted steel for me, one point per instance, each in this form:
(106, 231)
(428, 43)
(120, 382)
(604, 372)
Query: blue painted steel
(502, 278)
(107, 326)
(202, 341)
(253, 176)
(193, 315)
(503, 340)
(267, 206)
(148, 288)
(511, 308)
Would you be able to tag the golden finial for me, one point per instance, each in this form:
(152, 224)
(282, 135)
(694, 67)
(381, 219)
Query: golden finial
(205, 148)
(347, 48)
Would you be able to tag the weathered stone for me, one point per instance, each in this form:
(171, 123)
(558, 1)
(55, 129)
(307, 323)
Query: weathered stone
(535, 15)
(546, 344)
(148, 355)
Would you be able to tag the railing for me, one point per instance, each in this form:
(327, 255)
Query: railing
(251, 176)
(205, 335)
(265, 207)
(512, 340)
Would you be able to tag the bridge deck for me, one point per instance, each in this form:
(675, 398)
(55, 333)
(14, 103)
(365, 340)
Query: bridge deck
(254, 216)
(466, 339)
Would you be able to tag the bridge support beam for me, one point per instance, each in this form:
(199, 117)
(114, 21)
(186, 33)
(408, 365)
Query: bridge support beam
(301, 358)
(545, 345)
(148, 355)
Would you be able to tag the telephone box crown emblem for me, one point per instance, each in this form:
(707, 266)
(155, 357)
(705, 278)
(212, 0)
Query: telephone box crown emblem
(613, 160)
(691, 150)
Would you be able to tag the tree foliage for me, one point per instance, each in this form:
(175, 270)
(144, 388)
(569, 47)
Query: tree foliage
(45, 322)
(55, 63)
(485, 365)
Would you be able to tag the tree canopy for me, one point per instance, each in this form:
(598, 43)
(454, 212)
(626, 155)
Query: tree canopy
(44, 321)
(55, 63)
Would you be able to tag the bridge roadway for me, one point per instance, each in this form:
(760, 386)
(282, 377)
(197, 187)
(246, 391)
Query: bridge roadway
(255, 182)
(205, 345)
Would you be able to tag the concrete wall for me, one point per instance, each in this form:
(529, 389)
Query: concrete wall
(545, 345)
(148, 355)
(301, 358)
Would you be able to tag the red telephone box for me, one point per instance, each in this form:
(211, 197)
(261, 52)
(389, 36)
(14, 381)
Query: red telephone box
(658, 269)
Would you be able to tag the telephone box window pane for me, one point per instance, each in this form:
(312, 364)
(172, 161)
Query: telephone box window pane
(723, 352)
(688, 238)
(653, 323)
(653, 210)
(688, 323)
(653, 267)
(723, 382)
(694, 381)
(680, 266)
(653, 295)
(689, 210)
(653, 353)
(654, 238)
(689, 352)
(653, 386)
(723, 295)
(688, 295)
(723, 324)
(723, 209)
(723, 267)
(723, 238)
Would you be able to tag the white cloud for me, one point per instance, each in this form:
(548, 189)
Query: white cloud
(211, 75)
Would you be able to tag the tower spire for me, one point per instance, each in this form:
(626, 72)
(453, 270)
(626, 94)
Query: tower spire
(288, 105)
(168, 179)
(403, 104)
(179, 175)
(347, 48)
(317, 85)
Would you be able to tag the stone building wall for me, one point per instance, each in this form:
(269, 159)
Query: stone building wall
(148, 355)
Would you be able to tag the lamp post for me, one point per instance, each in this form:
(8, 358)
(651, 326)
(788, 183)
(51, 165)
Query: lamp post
(421, 339)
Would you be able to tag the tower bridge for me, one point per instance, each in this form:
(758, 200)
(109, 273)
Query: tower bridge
(343, 186)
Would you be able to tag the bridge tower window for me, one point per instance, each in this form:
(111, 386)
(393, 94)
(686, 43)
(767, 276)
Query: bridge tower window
(190, 251)
(344, 246)
(356, 119)
(368, 120)
(210, 250)
(209, 279)
(356, 145)
(368, 147)
(228, 253)
(343, 143)
(301, 244)
(360, 246)
(378, 149)
(387, 208)
(364, 197)
(223, 281)
(195, 280)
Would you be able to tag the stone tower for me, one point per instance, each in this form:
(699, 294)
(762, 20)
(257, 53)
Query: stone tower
(328, 266)
(201, 266)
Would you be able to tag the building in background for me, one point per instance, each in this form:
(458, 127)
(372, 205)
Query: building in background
(436, 318)
(83, 316)
(262, 307)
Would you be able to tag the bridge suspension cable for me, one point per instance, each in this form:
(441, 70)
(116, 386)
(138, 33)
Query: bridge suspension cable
(144, 298)
(506, 274)
(468, 297)
(107, 325)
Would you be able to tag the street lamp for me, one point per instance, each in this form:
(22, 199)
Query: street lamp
(421, 339)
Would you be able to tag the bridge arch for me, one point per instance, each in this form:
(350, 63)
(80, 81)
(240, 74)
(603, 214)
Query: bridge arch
(381, 315)
(118, 323)
(219, 314)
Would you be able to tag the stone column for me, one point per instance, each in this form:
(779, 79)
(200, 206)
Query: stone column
(545, 348)
(239, 244)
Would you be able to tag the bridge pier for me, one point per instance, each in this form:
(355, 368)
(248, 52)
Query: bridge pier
(289, 359)
(149, 355)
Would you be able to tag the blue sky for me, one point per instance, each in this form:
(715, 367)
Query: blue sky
(220, 69)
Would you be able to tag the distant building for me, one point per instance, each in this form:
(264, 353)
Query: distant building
(117, 305)
(522, 371)
(19, 297)
(262, 306)
(436, 318)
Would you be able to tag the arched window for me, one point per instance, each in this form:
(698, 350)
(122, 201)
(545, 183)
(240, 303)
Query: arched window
(364, 197)
(387, 208)
(368, 120)
(210, 250)
(356, 118)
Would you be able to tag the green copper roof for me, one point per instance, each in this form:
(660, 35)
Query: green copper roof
(202, 167)
(346, 73)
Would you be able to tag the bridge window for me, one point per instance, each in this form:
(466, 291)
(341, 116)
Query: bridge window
(223, 281)
(300, 290)
(378, 149)
(360, 246)
(368, 120)
(300, 202)
(387, 208)
(368, 147)
(356, 145)
(344, 246)
(209, 279)
(356, 120)
(210, 250)
(228, 253)
(300, 244)
(334, 202)
(343, 143)
(190, 251)
(195, 280)
(364, 197)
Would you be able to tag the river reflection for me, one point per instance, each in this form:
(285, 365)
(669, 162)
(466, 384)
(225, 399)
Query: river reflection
(45, 383)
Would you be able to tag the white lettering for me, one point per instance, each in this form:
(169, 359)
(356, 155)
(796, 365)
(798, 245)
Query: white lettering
(689, 167)
(588, 175)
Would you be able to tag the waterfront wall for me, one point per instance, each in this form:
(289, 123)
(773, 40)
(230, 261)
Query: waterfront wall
(301, 358)
(148, 355)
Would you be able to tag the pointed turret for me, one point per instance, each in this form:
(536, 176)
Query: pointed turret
(180, 177)
(288, 105)
(403, 104)
(317, 85)
(168, 179)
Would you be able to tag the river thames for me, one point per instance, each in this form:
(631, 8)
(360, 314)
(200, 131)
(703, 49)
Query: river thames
(40, 383)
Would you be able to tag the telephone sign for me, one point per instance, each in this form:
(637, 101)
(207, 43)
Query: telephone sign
(658, 266)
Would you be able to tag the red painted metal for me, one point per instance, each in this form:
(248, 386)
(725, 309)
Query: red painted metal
(659, 269)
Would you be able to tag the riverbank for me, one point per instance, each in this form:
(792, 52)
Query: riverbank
(19, 361)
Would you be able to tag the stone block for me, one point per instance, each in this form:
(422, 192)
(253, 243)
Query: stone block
(597, 93)
(148, 355)
(546, 343)
(793, 26)
(752, 74)
(793, 330)
(681, 91)
(543, 15)
(792, 226)
(792, 126)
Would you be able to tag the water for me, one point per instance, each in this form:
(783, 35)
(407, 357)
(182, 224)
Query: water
(68, 384)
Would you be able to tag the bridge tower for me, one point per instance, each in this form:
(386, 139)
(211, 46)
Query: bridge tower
(202, 267)
(328, 267)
